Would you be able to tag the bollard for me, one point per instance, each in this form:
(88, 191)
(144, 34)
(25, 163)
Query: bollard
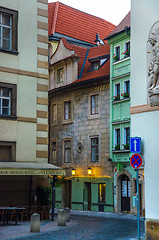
(61, 219)
(35, 223)
(67, 210)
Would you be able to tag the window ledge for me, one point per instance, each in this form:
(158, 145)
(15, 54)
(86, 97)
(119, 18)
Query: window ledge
(8, 117)
(95, 116)
(121, 60)
(9, 51)
(67, 122)
(121, 100)
(121, 151)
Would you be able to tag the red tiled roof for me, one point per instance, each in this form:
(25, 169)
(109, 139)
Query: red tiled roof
(103, 71)
(124, 23)
(71, 22)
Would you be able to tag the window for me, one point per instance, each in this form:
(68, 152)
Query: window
(95, 65)
(127, 47)
(54, 151)
(54, 112)
(126, 138)
(8, 29)
(127, 87)
(7, 151)
(94, 104)
(94, 149)
(101, 192)
(67, 110)
(60, 75)
(117, 139)
(67, 151)
(117, 52)
(7, 100)
(117, 91)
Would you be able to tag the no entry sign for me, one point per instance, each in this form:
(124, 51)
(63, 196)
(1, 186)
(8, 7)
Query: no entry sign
(136, 161)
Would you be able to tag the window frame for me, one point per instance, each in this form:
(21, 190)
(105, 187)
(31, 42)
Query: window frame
(59, 79)
(13, 149)
(116, 52)
(14, 30)
(96, 107)
(126, 141)
(13, 107)
(116, 136)
(126, 46)
(92, 147)
(64, 150)
(52, 113)
(125, 86)
(70, 119)
(53, 160)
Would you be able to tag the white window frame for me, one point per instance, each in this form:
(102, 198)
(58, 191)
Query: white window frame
(115, 136)
(124, 132)
(115, 47)
(2, 27)
(2, 98)
(70, 119)
(125, 44)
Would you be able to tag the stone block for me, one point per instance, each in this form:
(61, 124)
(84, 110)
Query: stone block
(61, 219)
(35, 223)
(67, 210)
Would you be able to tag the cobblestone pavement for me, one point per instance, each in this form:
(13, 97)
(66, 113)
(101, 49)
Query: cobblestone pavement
(91, 228)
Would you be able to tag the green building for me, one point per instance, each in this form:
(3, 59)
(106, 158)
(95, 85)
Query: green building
(120, 121)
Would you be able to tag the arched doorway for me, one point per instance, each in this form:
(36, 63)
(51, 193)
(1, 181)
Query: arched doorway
(125, 193)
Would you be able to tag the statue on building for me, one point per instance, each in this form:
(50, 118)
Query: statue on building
(153, 65)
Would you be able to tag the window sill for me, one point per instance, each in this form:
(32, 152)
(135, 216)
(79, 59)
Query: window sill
(8, 117)
(121, 151)
(121, 60)
(67, 121)
(9, 51)
(121, 100)
(94, 116)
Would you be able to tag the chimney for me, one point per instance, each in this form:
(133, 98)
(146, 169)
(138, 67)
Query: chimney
(97, 39)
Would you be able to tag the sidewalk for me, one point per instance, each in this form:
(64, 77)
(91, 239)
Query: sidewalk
(22, 229)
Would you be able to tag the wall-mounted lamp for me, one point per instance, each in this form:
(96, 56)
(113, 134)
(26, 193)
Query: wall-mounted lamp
(89, 170)
(73, 171)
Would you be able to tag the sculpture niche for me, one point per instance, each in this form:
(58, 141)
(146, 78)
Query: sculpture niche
(153, 65)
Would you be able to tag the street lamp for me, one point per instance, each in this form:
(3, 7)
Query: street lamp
(89, 170)
(73, 171)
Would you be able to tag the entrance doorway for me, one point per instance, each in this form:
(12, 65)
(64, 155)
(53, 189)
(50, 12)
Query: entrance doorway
(68, 194)
(87, 196)
(125, 193)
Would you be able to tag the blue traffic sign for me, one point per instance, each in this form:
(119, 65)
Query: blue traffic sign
(135, 145)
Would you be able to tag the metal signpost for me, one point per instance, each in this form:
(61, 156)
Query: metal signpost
(136, 162)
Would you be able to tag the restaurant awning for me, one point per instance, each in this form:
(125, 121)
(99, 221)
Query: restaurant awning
(23, 168)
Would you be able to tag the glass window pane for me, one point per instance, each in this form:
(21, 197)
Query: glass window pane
(5, 103)
(6, 44)
(0, 106)
(6, 20)
(6, 33)
(5, 92)
(5, 111)
(67, 110)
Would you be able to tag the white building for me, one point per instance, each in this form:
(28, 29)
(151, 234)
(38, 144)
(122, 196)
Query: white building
(145, 101)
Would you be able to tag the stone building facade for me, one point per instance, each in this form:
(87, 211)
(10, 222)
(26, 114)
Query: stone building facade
(79, 127)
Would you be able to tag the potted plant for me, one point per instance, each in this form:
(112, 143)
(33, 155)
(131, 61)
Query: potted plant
(117, 146)
(126, 53)
(116, 98)
(116, 58)
(126, 146)
(125, 95)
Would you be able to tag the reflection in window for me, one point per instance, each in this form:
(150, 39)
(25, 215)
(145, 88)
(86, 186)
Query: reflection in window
(94, 149)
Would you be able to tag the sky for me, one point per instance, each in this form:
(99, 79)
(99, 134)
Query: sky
(111, 10)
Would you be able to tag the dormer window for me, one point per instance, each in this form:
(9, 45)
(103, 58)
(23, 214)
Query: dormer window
(95, 65)
(60, 75)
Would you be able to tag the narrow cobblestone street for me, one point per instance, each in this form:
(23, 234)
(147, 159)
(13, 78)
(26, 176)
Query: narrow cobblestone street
(93, 228)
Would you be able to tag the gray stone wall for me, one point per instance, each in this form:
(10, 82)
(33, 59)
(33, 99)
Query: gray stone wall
(82, 127)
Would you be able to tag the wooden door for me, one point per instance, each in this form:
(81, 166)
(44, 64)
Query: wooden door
(68, 194)
(125, 194)
(87, 196)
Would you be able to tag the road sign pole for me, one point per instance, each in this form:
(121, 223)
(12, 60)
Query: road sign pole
(138, 207)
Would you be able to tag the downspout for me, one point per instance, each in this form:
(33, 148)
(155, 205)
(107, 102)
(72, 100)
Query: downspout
(83, 64)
